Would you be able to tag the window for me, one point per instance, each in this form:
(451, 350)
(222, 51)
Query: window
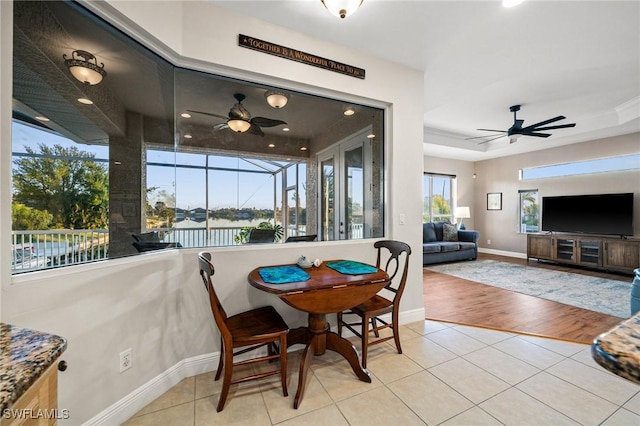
(437, 202)
(156, 145)
(600, 165)
(529, 211)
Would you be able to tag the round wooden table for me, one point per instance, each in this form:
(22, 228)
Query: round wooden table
(326, 291)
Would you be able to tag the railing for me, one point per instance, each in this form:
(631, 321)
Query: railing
(34, 250)
(31, 250)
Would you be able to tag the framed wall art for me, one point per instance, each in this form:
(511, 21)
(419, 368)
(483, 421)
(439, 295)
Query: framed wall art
(494, 201)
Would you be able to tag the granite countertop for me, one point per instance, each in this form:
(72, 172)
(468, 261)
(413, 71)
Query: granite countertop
(24, 356)
(618, 350)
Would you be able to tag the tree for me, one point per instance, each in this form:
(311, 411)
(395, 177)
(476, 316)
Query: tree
(67, 183)
(24, 218)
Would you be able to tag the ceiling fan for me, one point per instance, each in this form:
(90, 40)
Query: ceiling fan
(239, 119)
(516, 130)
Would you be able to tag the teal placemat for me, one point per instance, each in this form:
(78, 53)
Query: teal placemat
(283, 274)
(351, 267)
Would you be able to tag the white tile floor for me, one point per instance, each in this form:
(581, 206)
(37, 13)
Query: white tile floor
(448, 374)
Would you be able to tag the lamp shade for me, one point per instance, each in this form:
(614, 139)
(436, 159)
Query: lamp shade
(84, 67)
(238, 125)
(463, 212)
(342, 8)
(276, 99)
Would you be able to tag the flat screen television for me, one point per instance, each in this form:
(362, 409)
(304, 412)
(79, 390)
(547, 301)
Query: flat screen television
(604, 214)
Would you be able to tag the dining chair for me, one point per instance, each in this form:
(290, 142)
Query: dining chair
(259, 236)
(370, 312)
(248, 330)
(301, 238)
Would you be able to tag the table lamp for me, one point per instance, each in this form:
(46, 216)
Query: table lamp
(462, 213)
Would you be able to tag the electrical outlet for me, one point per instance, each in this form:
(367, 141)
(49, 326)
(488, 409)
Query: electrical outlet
(488, 242)
(126, 359)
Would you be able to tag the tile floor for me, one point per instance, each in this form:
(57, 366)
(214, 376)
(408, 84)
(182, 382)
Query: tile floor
(447, 375)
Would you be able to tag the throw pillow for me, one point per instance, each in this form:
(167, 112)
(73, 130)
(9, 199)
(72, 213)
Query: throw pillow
(450, 232)
(428, 233)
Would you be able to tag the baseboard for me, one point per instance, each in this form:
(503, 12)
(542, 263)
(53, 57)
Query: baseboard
(126, 407)
(503, 253)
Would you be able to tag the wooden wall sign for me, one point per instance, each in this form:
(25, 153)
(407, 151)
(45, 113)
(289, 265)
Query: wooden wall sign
(298, 56)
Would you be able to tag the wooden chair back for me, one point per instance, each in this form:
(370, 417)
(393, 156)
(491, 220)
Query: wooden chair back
(206, 272)
(396, 265)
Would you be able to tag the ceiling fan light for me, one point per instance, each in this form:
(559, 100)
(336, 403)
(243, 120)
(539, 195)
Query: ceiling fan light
(238, 125)
(342, 8)
(84, 67)
(276, 99)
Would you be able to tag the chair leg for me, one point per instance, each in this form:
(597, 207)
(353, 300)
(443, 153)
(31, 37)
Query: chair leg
(396, 331)
(220, 360)
(374, 324)
(283, 363)
(226, 381)
(339, 324)
(365, 340)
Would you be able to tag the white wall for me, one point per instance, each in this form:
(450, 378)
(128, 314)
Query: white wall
(154, 303)
(501, 175)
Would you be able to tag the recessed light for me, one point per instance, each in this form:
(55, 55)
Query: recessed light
(187, 136)
(185, 115)
(271, 145)
(285, 129)
(85, 101)
(349, 111)
(116, 162)
(371, 136)
(303, 148)
(41, 118)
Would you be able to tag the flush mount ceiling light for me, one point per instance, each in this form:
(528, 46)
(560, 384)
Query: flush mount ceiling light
(342, 8)
(511, 3)
(83, 69)
(276, 99)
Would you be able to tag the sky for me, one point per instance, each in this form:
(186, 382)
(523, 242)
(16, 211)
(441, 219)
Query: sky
(227, 189)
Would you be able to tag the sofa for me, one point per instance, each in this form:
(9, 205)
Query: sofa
(443, 242)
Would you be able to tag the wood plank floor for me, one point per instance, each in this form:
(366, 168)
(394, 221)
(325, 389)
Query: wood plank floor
(451, 299)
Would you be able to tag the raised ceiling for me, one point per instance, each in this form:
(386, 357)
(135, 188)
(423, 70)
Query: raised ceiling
(580, 59)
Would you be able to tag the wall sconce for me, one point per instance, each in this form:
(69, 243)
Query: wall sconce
(462, 213)
(238, 125)
(342, 8)
(276, 99)
(83, 69)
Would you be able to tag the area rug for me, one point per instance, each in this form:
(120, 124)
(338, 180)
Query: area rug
(602, 295)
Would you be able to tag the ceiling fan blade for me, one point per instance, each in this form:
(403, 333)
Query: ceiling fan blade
(482, 137)
(492, 130)
(540, 135)
(492, 139)
(255, 130)
(221, 126)
(224, 117)
(266, 122)
(545, 122)
(559, 126)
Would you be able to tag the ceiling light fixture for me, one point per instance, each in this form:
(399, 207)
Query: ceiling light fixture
(238, 125)
(85, 101)
(185, 115)
(348, 111)
(342, 8)
(511, 3)
(83, 69)
(276, 99)
(42, 118)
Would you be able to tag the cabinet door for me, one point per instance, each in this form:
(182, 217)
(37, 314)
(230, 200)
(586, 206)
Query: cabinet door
(589, 252)
(540, 246)
(622, 255)
(565, 250)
